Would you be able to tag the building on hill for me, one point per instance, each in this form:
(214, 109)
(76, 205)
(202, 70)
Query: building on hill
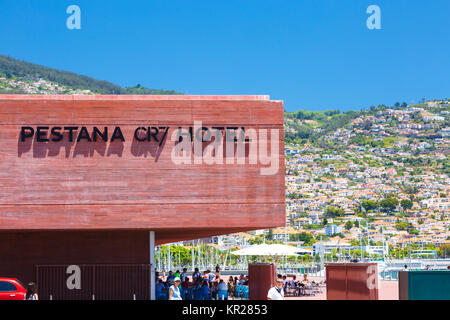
(332, 229)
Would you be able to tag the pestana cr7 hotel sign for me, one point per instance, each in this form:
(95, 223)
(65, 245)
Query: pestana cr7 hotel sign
(197, 144)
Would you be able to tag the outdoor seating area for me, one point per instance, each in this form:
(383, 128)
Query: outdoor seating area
(305, 287)
(208, 285)
(300, 289)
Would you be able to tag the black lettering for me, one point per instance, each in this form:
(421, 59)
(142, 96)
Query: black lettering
(117, 134)
(41, 131)
(24, 134)
(71, 130)
(153, 134)
(182, 135)
(57, 134)
(84, 134)
(136, 133)
(103, 135)
(164, 135)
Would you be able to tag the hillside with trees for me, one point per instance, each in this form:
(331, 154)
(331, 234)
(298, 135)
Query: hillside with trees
(14, 73)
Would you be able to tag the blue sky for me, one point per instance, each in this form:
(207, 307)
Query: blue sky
(313, 54)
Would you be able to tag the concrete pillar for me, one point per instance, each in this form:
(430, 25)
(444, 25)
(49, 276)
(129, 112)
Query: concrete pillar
(152, 265)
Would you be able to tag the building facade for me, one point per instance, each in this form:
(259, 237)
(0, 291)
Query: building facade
(83, 179)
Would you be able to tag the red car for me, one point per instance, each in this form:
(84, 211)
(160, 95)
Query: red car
(12, 289)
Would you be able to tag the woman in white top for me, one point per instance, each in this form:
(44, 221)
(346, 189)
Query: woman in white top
(174, 290)
(31, 292)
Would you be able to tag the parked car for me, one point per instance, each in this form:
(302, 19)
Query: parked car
(12, 289)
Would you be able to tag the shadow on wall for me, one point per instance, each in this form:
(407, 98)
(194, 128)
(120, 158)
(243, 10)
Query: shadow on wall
(87, 148)
(152, 148)
(69, 148)
(141, 146)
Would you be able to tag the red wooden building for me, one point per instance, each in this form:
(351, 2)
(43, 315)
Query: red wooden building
(92, 179)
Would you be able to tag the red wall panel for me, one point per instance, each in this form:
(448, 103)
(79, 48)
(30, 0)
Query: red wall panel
(133, 185)
(22, 251)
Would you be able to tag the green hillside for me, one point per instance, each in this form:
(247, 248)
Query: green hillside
(312, 126)
(14, 69)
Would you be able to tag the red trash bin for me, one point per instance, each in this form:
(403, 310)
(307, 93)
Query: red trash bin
(262, 277)
(352, 281)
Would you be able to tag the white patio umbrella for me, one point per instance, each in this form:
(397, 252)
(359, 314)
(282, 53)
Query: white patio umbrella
(268, 250)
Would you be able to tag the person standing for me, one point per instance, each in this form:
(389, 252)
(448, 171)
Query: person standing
(197, 278)
(232, 286)
(174, 290)
(159, 288)
(205, 291)
(276, 293)
(210, 276)
(183, 275)
(222, 290)
(170, 279)
(217, 268)
(31, 292)
(214, 290)
(293, 283)
(285, 282)
(185, 286)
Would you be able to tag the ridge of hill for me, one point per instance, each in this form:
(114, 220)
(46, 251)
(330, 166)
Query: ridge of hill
(21, 77)
(312, 126)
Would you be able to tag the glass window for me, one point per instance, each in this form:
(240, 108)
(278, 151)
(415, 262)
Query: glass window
(7, 286)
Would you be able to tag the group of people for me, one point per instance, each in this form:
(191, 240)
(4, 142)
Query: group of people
(199, 286)
(210, 286)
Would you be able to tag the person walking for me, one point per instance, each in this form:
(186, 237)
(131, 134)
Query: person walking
(174, 290)
(276, 293)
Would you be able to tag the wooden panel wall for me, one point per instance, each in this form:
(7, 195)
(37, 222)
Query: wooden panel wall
(133, 185)
(21, 251)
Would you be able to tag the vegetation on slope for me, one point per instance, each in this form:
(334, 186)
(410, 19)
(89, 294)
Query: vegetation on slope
(14, 68)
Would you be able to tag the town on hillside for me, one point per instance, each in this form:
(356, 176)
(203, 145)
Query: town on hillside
(381, 180)
(375, 188)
